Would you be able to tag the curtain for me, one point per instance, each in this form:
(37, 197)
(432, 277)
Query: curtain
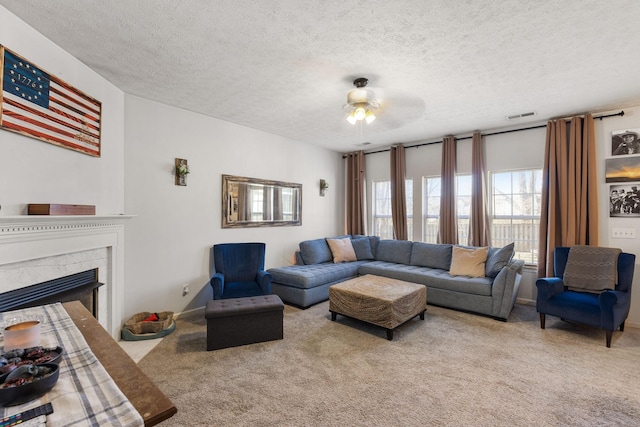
(244, 203)
(267, 203)
(355, 193)
(277, 204)
(398, 193)
(479, 230)
(448, 232)
(569, 214)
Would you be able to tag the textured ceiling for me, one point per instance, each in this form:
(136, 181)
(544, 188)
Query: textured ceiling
(285, 66)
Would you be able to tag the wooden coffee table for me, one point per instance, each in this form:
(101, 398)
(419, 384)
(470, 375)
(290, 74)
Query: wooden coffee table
(378, 300)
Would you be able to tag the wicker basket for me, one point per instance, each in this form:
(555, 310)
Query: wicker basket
(137, 326)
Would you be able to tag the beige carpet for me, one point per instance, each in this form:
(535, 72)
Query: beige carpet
(452, 368)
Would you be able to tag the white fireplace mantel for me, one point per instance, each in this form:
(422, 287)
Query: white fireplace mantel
(27, 239)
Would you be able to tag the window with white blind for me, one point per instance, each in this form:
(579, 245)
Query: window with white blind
(432, 187)
(382, 221)
(515, 211)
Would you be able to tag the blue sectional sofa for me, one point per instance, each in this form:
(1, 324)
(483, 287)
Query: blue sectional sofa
(494, 294)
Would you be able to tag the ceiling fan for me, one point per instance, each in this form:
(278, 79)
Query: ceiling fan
(361, 102)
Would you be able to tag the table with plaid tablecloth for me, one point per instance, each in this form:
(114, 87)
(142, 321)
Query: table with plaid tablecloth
(85, 394)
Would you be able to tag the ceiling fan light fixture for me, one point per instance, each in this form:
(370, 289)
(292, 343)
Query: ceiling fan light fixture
(361, 101)
(369, 117)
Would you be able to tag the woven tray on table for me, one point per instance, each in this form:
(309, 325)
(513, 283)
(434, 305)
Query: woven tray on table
(135, 329)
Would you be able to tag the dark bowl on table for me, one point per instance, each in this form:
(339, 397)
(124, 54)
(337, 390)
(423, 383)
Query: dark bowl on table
(53, 355)
(17, 395)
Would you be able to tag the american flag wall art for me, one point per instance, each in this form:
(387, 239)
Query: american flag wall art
(39, 105)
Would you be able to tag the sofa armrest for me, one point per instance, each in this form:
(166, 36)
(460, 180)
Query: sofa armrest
(516, 264)
(217, 283)
(504, 290)
(264, 280)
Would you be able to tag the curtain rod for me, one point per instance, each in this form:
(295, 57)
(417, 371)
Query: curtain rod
(621, 113)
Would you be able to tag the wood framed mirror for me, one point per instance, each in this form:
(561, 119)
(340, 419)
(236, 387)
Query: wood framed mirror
(253, 202)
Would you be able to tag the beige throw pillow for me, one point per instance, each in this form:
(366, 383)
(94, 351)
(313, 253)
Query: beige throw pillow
(342, 249)
(468, 262)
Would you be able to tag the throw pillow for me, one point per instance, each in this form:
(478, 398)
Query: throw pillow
(362, 248)
(342, 250)
(468, 262)
(315, 251)
(497, 259)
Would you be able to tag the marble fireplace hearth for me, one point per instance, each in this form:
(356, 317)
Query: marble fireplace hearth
(34, 249)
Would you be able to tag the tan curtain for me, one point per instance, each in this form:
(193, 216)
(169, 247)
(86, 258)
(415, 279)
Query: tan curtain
(355, 193)
(277, 204)
(398, 193)
(244, 203)
(267, 203)
(569, 205)
(448, 232)
(479, 230)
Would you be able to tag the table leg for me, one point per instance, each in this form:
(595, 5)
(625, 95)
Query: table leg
(422, 315)
(390, 334)
(333, 316)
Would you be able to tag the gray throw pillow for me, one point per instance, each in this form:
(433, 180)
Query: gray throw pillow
(497, 259)
(362, 247)
(431, 255)
(397, 251)
(315, 251)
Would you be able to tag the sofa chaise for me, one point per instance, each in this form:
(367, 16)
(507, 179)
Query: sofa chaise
(492, 293)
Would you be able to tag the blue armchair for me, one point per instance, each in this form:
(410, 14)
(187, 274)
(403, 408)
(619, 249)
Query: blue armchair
(239, 271)
(606, 310)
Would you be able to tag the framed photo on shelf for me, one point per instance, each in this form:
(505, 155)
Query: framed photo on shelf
(624, 200)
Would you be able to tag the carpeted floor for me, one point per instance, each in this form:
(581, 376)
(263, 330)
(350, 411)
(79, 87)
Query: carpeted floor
(453, 369)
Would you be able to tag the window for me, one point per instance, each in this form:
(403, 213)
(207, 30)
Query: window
(431, 217)
(431, 211)
(257, 202)
(382, 221)
(463, 207)
(515, 211)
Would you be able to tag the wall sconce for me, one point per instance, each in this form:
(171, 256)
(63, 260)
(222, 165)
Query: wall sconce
(182, 170)
(324, 186)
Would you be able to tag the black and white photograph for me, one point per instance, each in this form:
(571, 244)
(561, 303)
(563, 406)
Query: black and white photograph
(624, 142)
(624, 200)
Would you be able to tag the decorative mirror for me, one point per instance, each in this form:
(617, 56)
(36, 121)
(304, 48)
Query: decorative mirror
(252, 202)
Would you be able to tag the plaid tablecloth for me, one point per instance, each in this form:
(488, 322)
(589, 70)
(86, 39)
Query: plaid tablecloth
(85, 394)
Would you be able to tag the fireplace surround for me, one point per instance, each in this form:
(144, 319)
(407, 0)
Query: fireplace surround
(35, 249)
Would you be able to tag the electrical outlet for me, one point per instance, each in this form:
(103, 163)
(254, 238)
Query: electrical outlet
(623, 233)
(185, 289)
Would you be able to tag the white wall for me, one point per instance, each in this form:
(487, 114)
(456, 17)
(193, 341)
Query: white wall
(34, 171)
(631, 119)
(168, 242)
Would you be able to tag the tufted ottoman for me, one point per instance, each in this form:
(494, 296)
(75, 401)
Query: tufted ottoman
(239, 321)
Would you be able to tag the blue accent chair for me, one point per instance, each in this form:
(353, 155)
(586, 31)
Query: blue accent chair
(607, 310)
(239, 271)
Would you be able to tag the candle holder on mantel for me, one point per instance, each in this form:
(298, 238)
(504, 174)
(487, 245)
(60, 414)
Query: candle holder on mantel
(182, 170)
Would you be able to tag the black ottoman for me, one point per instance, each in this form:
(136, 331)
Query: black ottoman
(239, 321)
